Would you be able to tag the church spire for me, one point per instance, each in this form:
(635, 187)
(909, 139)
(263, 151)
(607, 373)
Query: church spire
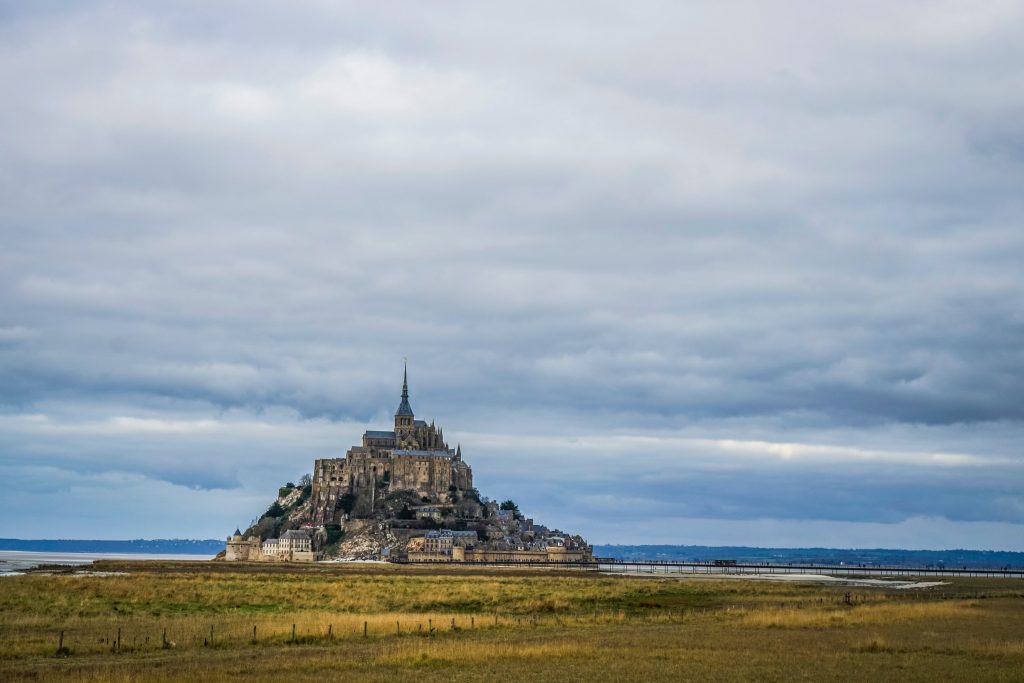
(404, 409)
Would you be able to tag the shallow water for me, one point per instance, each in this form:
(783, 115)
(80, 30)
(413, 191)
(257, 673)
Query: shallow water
(13, 562)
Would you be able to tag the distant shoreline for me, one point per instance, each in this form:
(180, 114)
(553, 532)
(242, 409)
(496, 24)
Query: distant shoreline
(956, 558)
(160, 546)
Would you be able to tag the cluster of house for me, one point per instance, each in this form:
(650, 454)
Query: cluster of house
(502, 536)
(447, 545)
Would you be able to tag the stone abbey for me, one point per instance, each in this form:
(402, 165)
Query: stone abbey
(413, 456)
(401, 494)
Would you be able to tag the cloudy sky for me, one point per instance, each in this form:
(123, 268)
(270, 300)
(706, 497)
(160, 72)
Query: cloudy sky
(704, 272)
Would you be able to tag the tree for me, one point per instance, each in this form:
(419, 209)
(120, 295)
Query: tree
(511, 507)
(334, 534)
(346, 502)
(306, 480)
(274, 510)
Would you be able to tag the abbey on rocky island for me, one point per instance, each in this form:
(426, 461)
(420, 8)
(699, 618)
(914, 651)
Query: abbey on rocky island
(401, 494)
(413, 457)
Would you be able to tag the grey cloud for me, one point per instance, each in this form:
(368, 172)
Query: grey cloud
(788, 221)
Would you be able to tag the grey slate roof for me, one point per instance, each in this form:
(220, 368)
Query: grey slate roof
(295, 533)
(436, 454)
(379, 435)
(446, 533)
(404, 408)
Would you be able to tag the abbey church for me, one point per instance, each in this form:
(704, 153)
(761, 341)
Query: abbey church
(413, 456)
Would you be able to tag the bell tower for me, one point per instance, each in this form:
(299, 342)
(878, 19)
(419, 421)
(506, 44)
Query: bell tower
(404, 416)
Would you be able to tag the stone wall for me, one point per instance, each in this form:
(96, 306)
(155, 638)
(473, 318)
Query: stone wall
(330, 482)
(427, 475)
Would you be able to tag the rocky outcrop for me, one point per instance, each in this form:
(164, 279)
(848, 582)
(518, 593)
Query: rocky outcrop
(367, 541)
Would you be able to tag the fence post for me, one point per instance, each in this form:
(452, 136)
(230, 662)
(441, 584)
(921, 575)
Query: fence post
(366, 625)
(254, 634)
(330, 631)
(211, 636)
(118, 638)
(293, 633)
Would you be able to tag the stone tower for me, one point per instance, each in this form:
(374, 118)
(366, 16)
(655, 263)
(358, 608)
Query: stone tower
(404, 418)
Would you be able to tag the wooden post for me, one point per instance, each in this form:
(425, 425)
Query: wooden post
(211, 635)
(254, 634)
(293, 633)
(398, 628)
(118, 638)
(472, 622)
(366, 626)
(330, 631)
(453, 623)
(164, 639)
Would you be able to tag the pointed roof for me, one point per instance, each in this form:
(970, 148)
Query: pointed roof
(404, 408)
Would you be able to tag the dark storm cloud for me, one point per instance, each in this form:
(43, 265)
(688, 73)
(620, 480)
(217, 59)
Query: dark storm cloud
(772, 224)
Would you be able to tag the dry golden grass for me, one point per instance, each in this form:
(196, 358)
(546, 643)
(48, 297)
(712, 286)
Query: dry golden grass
(862, 615)
(507, 625)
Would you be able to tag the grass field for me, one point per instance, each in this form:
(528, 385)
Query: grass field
(217, 622)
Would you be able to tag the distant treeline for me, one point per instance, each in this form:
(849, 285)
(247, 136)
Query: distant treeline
(161, 546)
(975, 559)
